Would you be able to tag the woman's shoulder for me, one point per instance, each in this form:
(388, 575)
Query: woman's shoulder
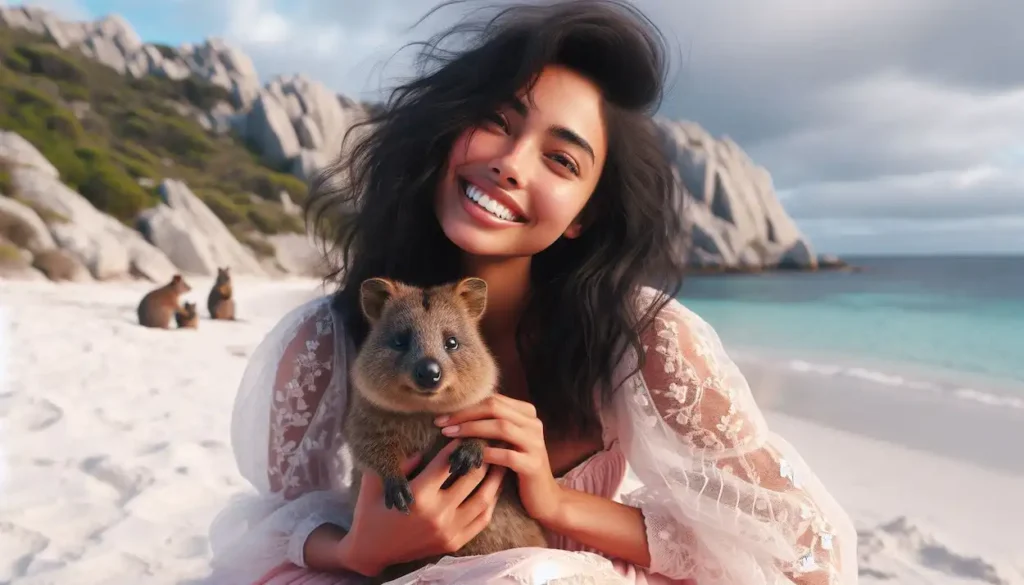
(675, 327)
(672, 309)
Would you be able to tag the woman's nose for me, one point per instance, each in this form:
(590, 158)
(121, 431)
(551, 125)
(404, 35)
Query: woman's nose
(505, 178)
(510, 167)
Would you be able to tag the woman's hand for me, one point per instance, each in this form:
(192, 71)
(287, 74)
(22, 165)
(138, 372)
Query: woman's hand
(514, 422)
(439, 521)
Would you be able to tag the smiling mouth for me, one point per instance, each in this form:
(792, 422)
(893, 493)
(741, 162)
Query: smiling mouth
(481, 200)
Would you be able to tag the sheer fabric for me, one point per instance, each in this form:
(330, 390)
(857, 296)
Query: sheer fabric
(725, 501)
(285, 437)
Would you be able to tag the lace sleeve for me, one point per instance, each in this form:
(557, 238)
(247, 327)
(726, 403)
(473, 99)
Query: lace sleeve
(725, 500)
(285, 433)
(296, 459)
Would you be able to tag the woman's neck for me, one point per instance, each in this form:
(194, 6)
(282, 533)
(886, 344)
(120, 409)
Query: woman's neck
(508, 284)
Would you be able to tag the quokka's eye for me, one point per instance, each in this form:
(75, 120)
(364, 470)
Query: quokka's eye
(399, 341)
(451, 344)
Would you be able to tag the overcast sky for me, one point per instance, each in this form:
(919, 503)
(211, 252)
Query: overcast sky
(888, 126)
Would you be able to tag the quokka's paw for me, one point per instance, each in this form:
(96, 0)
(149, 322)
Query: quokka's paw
(397, 494)
(466, 456)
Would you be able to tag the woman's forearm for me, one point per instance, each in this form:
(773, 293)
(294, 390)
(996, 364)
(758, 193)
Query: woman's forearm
(329, 549)
(615, 529)
(322, 549)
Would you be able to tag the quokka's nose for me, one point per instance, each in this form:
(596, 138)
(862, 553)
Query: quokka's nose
(427, 374)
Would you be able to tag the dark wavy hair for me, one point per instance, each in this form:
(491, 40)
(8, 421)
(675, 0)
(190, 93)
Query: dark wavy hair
(373, 208)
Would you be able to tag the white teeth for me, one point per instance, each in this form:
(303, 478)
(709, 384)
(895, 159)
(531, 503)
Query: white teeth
(496, 209)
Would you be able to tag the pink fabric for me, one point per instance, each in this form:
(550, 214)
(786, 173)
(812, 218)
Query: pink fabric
(602, 474)
(289, 574)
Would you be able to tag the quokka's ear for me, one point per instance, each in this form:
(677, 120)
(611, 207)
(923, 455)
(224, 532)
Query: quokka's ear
(374, 294)
(473, 294)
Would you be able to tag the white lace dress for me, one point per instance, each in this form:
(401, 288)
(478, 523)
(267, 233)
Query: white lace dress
(725, 500)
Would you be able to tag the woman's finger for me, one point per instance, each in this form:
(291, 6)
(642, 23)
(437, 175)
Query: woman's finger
(493, 407)
(507, 458)
(527, 409)
(496, 429)
(485, 497)
(436, 472)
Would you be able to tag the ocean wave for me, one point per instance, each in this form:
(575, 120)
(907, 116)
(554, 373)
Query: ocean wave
(902, 381)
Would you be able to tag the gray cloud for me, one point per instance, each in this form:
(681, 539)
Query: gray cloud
(984, 192)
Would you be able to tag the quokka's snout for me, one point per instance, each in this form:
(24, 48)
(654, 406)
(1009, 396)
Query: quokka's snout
(427, 375)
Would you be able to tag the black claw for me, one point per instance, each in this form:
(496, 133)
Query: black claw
(397, 494)
(465, 457)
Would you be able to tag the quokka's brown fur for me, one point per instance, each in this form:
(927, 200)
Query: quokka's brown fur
(187, 316)
(160, 305)
(220, 302)
(422, 357)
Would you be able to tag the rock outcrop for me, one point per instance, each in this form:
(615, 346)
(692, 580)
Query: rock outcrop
(108, 248)
(297, 124)
(195, 239)
(181, 234)
(736, 219)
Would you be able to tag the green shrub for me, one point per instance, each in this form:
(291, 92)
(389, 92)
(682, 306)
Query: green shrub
(270, 219)
(50, 62)
(17, 62)
(131, 131)
(261, 247)
(269, 185)
(112, 191)
(228, 211)
(6, 185)
(203, 95)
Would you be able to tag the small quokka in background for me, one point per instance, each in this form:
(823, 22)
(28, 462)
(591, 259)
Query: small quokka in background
(159, 306)
(187, 316)
(424, 356)
(220, 302)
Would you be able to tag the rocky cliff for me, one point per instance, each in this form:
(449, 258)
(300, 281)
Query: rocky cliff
(736, 219)
(296, 124)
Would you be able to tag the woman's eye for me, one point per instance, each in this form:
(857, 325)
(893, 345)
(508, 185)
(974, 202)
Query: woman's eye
(566, 162)
(498, 119)
(451, 344)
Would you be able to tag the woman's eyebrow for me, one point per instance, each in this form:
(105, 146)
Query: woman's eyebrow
(559, 132)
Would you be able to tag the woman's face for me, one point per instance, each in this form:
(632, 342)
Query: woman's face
(516, 183)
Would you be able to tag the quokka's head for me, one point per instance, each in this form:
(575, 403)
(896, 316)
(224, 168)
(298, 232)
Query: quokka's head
(178, 285)
(424, 351)
(223, 276)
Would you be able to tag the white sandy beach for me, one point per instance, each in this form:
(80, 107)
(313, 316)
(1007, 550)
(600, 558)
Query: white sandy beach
(114, 448)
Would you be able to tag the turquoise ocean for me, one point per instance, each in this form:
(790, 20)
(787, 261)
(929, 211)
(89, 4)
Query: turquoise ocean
(948, 324)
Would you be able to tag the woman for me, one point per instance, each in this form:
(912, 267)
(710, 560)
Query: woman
(528, 158)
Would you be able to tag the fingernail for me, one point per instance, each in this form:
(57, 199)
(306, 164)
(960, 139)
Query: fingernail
(450, 431)
(441, 419)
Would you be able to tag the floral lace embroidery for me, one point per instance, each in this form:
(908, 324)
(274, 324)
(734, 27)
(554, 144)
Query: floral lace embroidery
(300, 392)
(688, 385)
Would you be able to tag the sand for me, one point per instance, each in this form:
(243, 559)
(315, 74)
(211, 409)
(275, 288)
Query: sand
(114, 449)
